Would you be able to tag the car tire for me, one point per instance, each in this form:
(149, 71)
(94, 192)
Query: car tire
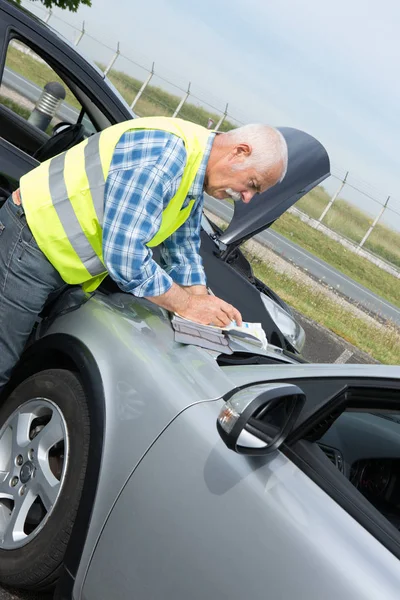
(44, 443)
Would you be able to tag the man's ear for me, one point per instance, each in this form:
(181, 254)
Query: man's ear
(242, 151)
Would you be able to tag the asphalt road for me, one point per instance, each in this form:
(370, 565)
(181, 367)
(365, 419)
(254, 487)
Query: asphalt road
(316, 267)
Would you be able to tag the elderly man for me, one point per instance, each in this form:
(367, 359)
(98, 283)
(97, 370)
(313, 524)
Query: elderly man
(101, 206)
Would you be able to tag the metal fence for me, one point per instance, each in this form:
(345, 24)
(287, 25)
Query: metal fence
(374, 228)
(346, 205)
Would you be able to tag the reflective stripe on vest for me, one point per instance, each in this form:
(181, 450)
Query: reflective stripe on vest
(63, 198)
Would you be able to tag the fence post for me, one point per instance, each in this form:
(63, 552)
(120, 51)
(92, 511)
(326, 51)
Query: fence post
(332, 200)
(145, 84)
(81, 34)
(366, 236)
(222, 119)
(112, 61)
(48, 16)
(182, 102)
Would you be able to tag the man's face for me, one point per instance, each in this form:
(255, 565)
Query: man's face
(230, 177)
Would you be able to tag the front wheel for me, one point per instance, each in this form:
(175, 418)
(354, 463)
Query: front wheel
(44, 443)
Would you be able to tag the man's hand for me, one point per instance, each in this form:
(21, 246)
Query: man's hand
(210, 310)
(202, 308)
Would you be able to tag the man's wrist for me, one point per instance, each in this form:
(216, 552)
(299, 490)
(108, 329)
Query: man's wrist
(176, 299)
(196, 290)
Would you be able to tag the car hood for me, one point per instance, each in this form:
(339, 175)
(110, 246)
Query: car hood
(308, 165)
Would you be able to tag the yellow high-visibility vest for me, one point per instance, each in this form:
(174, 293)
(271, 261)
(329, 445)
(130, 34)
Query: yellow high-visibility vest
(63, 198)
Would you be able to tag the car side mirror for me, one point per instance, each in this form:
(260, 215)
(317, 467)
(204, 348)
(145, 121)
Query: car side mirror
(258, 419)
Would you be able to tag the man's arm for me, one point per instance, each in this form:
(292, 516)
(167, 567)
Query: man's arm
(132, 216)
(181, 253)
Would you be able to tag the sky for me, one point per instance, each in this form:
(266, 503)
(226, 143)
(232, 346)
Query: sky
(330, 68)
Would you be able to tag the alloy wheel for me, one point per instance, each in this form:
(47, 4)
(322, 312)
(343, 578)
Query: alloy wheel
(33, 464)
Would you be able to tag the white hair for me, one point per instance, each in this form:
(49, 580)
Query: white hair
(267, 143)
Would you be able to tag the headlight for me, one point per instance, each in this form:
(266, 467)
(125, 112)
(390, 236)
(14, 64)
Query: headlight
(292, 331)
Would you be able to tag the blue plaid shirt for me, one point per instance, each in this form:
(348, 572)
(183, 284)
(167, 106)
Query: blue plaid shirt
(145, 173)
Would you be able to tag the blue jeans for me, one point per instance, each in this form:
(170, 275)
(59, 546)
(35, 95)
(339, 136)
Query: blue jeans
(26, 280)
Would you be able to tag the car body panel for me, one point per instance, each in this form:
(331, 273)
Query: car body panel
(149, 380)
(199, 521)
(246, 374)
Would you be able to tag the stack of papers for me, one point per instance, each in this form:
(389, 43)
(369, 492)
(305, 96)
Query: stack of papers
(217, 338)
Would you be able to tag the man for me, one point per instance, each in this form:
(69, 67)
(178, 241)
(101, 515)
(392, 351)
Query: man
(100, 207)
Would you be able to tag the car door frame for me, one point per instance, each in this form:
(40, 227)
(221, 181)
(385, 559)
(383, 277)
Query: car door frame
(16, 24)
(301, 448)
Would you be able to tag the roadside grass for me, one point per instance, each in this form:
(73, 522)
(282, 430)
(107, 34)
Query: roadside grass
(358, 268)
(382, 342)
(352, 223)
(15, 107)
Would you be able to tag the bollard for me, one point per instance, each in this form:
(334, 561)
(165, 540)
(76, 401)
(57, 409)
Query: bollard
(47, 105)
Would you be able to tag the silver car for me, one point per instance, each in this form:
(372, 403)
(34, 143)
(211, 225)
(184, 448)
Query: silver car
(134, 466)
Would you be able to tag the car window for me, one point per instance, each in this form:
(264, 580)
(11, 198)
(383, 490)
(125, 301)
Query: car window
(365, 448)
(26, 81)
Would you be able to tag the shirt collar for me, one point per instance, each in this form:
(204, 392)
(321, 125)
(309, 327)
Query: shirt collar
(196, 189)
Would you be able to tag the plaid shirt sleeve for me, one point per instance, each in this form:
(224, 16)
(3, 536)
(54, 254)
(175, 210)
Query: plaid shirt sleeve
(181, 251)
(144, 175)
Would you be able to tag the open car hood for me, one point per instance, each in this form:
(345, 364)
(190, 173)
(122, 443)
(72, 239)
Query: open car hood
(308, 165)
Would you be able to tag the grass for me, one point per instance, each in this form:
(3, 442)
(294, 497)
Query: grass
(16, 108)
(356, 267)
(381, 342)
(352, 223)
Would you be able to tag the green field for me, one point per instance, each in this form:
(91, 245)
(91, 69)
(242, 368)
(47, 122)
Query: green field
(16, 108)
(381, 342)
(352, 223)
(358, 268)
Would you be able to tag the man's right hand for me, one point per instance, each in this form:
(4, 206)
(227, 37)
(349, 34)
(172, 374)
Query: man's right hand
(205, 309)
(210, 310)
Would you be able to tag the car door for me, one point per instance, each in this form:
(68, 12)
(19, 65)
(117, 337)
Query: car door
(32, 56)
(197, 520)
